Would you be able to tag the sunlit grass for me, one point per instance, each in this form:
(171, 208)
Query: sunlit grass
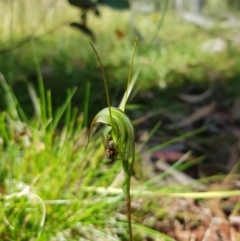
(47, 177)
(175, 56)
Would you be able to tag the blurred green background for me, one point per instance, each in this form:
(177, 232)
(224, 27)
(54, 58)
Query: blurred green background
(173, 49)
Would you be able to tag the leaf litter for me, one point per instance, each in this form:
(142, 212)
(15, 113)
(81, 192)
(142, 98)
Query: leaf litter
(186, 219)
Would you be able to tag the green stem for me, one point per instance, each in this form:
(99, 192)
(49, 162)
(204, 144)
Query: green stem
(128, 169)
(128, 204)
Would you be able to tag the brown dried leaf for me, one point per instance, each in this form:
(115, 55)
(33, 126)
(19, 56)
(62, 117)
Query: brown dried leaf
(199, 114)
(196, 98)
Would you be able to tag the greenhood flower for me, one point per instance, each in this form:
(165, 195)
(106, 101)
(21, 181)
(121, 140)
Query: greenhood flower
(121, 130)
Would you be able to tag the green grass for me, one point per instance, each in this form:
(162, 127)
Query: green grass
(46, 176)
(52, 189)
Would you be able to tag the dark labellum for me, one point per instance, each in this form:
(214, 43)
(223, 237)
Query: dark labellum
(110, 148)
(111, 151)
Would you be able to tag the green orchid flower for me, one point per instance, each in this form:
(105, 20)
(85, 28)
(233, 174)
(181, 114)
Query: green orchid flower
(121, 130)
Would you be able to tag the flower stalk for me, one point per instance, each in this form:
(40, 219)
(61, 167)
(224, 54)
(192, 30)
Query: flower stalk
(120, 139)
